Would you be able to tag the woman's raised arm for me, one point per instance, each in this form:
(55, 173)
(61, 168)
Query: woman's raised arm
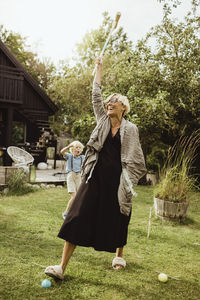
(97, 100)
(99, 66)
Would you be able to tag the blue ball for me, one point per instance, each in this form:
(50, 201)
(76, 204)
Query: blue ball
(46, 283)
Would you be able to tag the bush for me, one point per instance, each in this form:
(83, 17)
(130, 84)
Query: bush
(83, 127)
(155, 160)
(17, 184)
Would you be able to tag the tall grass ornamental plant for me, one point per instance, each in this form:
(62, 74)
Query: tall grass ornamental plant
(176, 179)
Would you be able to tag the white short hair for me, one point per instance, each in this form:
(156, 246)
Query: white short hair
(74, 144)
(123, 99)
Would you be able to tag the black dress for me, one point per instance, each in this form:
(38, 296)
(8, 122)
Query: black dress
(94, 219)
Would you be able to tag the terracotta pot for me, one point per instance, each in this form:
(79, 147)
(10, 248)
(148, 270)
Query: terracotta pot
(167, 210)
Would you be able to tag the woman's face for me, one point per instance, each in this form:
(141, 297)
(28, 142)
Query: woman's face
(115, 108)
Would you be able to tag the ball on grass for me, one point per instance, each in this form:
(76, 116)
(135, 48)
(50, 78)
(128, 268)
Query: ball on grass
(162, 277)
(46, 283)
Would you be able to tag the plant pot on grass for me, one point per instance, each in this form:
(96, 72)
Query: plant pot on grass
(152, 178)
(172, 194)
(168, 210)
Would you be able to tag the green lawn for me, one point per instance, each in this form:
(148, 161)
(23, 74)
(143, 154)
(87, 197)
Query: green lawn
(28, 235)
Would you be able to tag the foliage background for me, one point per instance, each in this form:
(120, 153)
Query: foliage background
(160, 75)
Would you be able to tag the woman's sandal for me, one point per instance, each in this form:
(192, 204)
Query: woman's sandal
(118, 263)
(55, 271)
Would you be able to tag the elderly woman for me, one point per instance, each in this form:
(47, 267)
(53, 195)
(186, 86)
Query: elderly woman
(114, 162)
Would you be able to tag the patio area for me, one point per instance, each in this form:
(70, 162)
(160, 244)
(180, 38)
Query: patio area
(52, 176)
(49, 176)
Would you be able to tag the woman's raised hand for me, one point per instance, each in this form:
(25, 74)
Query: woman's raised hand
(99, 61)
(99, 64)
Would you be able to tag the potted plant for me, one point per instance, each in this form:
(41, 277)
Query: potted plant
(172, 194)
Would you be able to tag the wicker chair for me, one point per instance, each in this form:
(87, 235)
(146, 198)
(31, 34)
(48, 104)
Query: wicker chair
(20, 157)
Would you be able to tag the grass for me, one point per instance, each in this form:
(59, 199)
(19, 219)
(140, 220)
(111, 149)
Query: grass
(28, 228)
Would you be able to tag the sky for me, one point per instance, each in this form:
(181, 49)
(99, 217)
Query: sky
(54, 27)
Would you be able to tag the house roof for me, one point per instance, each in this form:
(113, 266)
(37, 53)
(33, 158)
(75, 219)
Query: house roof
(28, 77)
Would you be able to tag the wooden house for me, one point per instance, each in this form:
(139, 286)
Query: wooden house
(24, 106)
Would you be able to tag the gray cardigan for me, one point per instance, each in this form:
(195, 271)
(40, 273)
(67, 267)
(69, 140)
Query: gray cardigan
(132, 159)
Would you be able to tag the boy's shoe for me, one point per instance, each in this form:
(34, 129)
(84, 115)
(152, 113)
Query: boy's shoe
(55, 271)
(64, 215)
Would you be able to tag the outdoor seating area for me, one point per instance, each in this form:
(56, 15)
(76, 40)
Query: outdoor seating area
(46, 176)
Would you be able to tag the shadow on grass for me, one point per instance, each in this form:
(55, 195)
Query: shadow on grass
(178, 222)
(173, 289)
(188, 221)
(120, 288)
(160, 238)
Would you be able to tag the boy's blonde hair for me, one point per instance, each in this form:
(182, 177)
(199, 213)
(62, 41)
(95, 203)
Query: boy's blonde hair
(74, 144)
(123, 99)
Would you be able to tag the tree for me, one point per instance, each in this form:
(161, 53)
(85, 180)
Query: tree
(178, 55)
(42, 72)
(92, 44)
(162, 82)
(72, 87)
(71, 91)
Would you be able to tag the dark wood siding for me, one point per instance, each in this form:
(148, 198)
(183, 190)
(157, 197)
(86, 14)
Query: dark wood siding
(11, 85)
(23, 104)
(32, 100)
(4, 60)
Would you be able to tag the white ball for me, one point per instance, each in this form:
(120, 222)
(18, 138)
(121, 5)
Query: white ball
(162, 277)
(42, 166)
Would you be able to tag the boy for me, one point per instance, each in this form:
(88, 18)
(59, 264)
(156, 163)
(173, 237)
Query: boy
(73, 169)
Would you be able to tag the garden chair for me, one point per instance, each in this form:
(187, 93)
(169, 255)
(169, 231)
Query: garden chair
(20, 157)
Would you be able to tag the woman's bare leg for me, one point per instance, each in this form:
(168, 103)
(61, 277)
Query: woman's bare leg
(119, 253)
(67, 253)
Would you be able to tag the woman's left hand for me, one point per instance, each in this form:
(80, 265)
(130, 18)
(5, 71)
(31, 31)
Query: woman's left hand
(99, 61)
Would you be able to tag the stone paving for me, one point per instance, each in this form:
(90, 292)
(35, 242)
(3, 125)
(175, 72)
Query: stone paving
(55, 176)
